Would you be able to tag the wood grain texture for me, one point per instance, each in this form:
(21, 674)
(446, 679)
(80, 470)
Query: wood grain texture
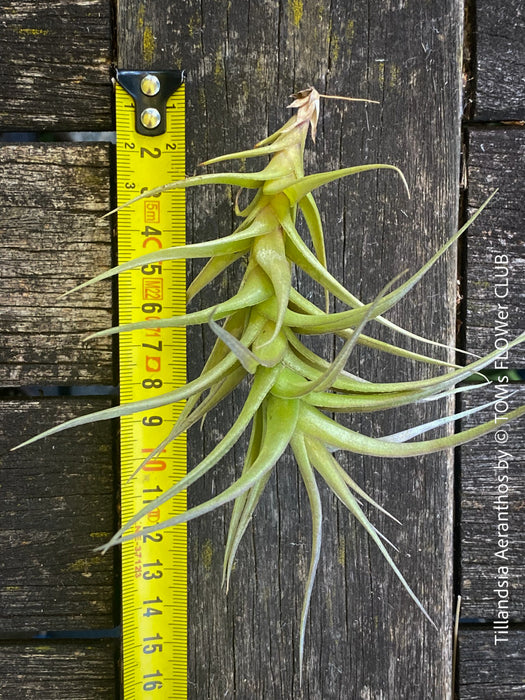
(57, 506)
(243, 61)
(52, 237)
(500, 61)
(72, 669)
(492, 513)
(489, 671)
(495, 280)
(56, 65)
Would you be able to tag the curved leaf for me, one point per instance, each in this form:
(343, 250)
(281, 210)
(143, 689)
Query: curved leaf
(309, 183)
(281, 420)
(262, 384)
(313, 422)
(238, 242)
(234, 534)
(307, 473)
(318, 456)
(213, 268)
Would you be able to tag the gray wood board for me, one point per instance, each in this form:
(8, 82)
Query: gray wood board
(243, 61)
(53, 196)
(495, 283)
(500, 61)
(492, 513)
(57, 506)
(489, 671)
(52, 669)
(56, 59)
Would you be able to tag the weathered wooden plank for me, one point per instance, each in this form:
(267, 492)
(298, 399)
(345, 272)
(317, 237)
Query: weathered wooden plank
(56, 65)
(492, 514)
(242, 63)
(499, 39)
(495, 242)
(57, 506)
(51, 669)
(53, 196)
(490, 671)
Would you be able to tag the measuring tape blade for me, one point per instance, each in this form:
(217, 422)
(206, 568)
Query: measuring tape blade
(150, 149)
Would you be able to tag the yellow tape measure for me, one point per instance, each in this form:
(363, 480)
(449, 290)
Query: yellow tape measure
(152, 362)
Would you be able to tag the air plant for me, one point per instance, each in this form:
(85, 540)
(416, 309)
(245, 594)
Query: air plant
(261, 338)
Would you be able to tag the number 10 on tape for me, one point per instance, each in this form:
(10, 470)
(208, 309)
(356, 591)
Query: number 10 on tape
(150, 152)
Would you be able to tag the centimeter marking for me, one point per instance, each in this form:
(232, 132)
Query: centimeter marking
(152, 362)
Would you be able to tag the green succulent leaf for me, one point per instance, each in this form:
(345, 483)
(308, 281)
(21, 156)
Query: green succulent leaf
(238, 242)
(410, 433)
(312, 217)
(269, 253)
(256, 290)
(237, 524)
(309, 183)
(301, 255)
(246, 357)
(322, 461)
(197, 385)
(327, 379)
(213, 268)
(281, 419)
(308, 476)
(278, 144)
(326, 430)
(262, 384)
(298, 302)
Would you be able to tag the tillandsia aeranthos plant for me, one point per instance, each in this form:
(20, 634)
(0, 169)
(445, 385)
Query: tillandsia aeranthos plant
(261, 338)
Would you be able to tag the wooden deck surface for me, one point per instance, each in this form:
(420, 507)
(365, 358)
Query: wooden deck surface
(365, 638)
